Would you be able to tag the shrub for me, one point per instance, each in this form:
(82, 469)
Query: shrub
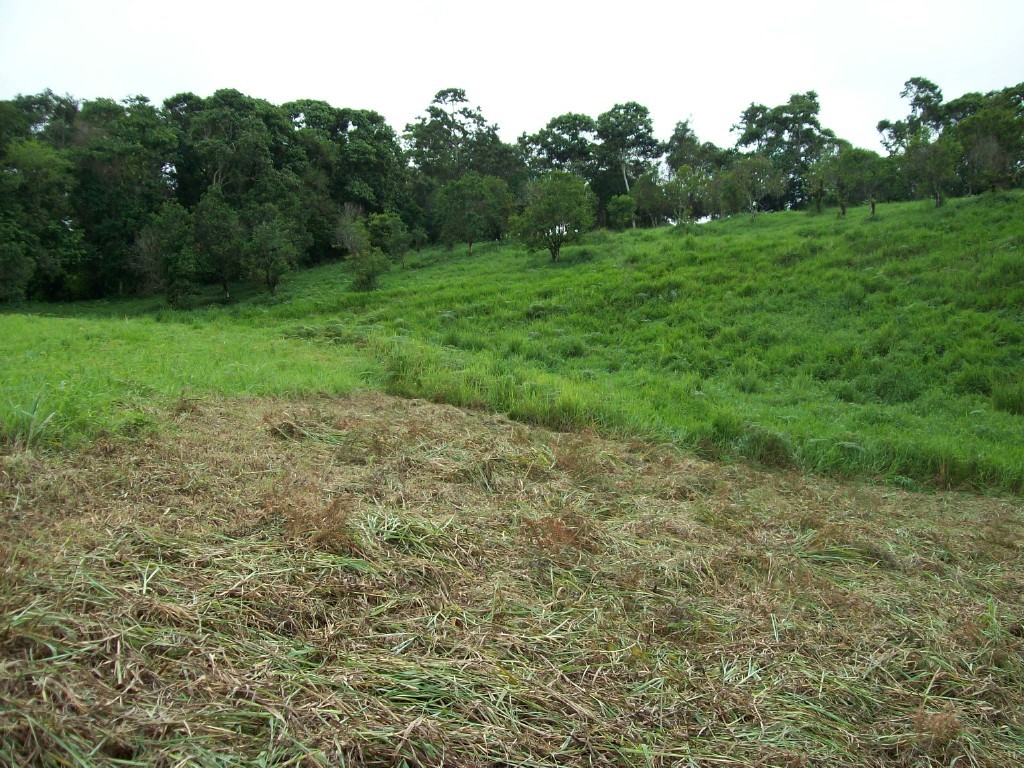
(621, 211)
(367, 266)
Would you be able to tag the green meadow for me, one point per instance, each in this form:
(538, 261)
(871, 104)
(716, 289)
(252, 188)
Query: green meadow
(886, 348)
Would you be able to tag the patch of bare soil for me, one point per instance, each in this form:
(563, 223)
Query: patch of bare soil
(374, 581)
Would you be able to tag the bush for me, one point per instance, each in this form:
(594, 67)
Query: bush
(621, 211)
(388, 232)
(367, 266)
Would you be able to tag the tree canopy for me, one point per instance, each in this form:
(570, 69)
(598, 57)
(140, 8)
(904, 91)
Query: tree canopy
(104, 197)
(559, 208)
(791, 137)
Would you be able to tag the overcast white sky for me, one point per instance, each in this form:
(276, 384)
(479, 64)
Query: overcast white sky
(523, 62)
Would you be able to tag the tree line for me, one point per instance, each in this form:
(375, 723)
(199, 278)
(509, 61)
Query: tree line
(102, 198)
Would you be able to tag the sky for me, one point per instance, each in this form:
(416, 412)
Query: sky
(526, 61)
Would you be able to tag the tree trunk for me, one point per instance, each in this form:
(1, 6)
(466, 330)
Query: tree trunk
(224, 286)
(625, 178)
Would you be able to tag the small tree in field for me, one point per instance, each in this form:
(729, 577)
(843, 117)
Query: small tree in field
(218, 237)
(270, 253)
(350, 233)
(366, 267)
(474, 207)
(559, 207)
(931, 166)
(749, 180)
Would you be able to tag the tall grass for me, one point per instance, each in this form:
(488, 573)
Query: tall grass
(888, 347)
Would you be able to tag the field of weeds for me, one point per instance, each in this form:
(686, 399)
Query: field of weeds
(374, 581)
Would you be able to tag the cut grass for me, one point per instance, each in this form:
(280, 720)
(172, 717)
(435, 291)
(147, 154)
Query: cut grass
(373, 581)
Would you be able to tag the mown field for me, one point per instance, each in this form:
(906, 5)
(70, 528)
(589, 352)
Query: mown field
(370, 581)
(728, 495)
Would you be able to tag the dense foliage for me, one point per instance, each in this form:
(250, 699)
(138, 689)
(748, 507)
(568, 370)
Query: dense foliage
(101, 198)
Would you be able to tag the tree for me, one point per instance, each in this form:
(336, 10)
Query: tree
(862, 173)
(849, 176)
(388, 232)
(791, 137)
(688, 193)
(229, 141)
(271, 251)
(367, 267)
(926, 108)
(559, 207)
(474, 207)
(627, 140)
(419, 238)
(50, 117)
(651, 200)
(927, 116)
(566, 143)
(36, 183)
(620, 211)
(749, 180)
(119, 154)
(16, 264)
(931, 165)
(350, 233)
(371, 169)
(15, 123)
(162, 257)
(366, 262)
(926, 152)
(991, 134)
(817, 180)
(489, 156)
(684, 149)
(437, 141)
(309, 188)
(218, 238)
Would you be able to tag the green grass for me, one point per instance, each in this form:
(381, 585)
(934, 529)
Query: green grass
(78, 379)
(887, 348)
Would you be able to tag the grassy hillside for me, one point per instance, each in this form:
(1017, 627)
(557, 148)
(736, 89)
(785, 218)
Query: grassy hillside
(888, 348)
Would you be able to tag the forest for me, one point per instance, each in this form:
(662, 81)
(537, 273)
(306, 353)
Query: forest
(103, 198)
